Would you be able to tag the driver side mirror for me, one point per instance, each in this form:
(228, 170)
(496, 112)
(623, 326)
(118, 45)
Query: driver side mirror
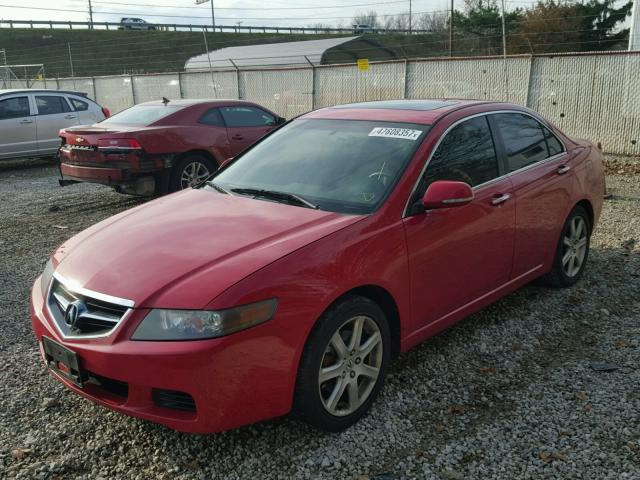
(447, 194)
(280, 120)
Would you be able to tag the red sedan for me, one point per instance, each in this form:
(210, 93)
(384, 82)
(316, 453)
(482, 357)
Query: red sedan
(161, 146)
(291, 279)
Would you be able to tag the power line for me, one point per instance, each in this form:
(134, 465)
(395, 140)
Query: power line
(257, 8)
(200, 16)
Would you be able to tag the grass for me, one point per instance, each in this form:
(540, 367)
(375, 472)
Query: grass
(102, 52)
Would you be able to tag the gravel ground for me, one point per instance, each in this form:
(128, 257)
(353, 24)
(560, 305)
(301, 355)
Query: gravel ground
(511, 392)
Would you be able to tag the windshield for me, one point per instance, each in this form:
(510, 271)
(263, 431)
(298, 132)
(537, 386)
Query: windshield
(344, 166)
(141, 115)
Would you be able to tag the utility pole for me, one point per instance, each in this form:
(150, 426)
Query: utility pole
(451, 30)
(213, 12)
(90, 15)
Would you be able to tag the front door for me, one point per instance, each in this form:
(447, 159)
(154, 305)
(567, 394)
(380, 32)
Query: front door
(245, 125)
(18, 136)
(459, 254)
(54, 114)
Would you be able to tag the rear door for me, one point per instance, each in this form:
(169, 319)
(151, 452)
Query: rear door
(18, 135)
(245, 125)
(540, 169)
(457, 255)
(54, 113)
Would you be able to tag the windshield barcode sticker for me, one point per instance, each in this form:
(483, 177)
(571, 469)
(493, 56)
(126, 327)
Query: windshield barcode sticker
(405, 133)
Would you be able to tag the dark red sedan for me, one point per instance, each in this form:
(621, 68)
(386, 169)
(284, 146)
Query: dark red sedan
(292, 277)
(161, 146)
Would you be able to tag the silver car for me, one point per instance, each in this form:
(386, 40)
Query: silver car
(31, 119)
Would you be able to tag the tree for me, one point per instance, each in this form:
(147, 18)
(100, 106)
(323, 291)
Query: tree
(599, 21)
(433, 22)
(548, 27)
(480, 25)
(369, 18)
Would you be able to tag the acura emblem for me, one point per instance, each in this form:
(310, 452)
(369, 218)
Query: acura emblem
(73, 313)
(79, 139)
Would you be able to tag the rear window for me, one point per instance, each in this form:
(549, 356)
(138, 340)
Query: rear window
(141, 115)
(79, 105)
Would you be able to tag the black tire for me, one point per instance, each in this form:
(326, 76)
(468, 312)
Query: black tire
(308, 404)
(557, 277)
(175, 182)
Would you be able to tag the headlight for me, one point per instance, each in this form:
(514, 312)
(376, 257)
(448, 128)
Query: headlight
(201, 324)
(45, 280)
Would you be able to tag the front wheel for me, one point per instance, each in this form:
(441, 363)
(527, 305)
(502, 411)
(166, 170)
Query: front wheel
(191, 170)
(572, 250)
(343, 365)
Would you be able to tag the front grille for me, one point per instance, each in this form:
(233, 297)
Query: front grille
(174, 400)
(82, 315)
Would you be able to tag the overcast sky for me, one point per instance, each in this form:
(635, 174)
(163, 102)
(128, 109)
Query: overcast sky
(228, 12)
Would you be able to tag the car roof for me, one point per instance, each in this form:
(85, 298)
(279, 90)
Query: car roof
(424, 112)
(40, 90)
(186, 102)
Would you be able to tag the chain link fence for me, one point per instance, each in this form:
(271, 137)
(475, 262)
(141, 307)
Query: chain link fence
(594, 96)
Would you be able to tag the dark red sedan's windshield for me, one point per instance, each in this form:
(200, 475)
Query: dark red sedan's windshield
(345, 166)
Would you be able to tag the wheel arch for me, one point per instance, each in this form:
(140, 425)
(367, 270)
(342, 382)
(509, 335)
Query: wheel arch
(197, 151)
(383, 298)
(586, 204)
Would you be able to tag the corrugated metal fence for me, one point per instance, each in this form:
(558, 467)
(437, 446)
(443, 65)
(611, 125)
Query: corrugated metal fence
(595, 96)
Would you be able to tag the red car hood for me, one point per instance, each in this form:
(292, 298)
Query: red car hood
(183, 250)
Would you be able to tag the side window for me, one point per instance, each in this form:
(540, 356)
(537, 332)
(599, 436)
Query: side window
(14, 107)
(79, 105)
(523, 138)
(242, 116)
(553, 144)
(466, 154)
(51, 104)
(212, 117)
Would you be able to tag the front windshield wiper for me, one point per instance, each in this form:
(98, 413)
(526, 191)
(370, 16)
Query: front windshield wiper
(217, 187)
(275, 195)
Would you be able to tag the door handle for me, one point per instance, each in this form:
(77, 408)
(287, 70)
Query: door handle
(500, 198)
(237, 137)
(69, 117)
(26, 121)
(563, 169)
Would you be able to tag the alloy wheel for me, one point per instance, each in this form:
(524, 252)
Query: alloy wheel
(193, 173)
(574, 246)
(350, 365)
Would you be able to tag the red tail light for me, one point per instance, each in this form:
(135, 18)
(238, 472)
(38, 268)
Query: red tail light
(118, 144)
(106, 112)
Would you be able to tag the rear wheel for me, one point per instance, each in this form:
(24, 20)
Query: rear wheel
(343, 365)
(572, 250)
(191, 170)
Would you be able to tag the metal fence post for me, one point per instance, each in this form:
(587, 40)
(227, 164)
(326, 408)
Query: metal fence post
(180, 84)
(313, 83)
(93, 83)
(528, 95)
(133, 89)
(406, 79)
(237, 78)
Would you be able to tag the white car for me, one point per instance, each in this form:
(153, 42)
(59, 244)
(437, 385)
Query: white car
(31, 119)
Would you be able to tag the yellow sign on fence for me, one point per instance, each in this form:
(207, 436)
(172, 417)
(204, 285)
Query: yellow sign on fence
(363, 64)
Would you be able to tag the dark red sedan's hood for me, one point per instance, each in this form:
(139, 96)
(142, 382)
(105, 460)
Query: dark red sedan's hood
(183, 250)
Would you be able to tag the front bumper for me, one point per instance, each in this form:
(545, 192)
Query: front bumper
(233, 381)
